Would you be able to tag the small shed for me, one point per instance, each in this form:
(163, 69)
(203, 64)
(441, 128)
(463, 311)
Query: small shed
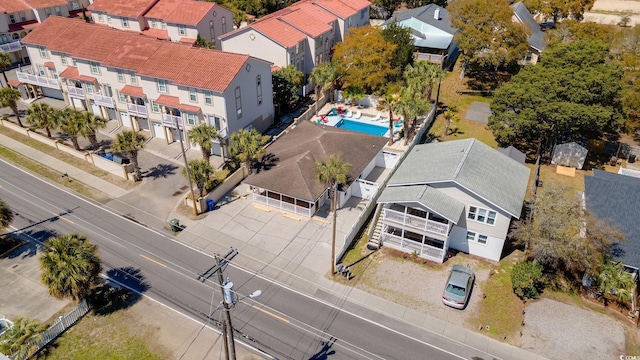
(514, 153)
(569, 154)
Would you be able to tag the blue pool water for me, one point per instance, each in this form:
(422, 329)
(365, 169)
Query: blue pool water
(362, 127)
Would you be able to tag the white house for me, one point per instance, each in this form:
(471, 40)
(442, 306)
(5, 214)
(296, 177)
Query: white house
(456, 194)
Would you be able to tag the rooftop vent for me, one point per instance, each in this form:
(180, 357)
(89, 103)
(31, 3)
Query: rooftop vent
(436, 14)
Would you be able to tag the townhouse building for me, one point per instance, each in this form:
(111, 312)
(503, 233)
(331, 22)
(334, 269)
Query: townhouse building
(302, 34)
(175, 20)
(19, 17)
(155, 86)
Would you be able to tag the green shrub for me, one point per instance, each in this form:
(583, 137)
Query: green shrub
(525, 279)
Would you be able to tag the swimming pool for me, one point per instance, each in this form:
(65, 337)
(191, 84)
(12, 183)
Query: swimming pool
(362, 127)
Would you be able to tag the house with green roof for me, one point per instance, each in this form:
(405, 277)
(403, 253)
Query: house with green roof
(459, 195)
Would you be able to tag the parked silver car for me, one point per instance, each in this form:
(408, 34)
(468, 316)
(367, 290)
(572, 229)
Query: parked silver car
(458, 287)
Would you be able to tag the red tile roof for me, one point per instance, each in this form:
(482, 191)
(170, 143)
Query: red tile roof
(186, 40)
(14, 83)
(174, 102)
(127, 8)
(71, 72)
(190, 12)
(179, 63)
(279, 31)
(41, 4)
(135, 91)
(314, 11)
(11, 6)
(25, 25)
(306, 23)
(50, 65)
(157, 33)
(162, 9)
(343, 8)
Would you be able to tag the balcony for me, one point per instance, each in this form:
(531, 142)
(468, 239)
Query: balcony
(423, 250)
(169, 120)
(76, 92)
(416, 222)
(137, 110)
(106, 101)
(432, 58)
(11, 46)
(38, 80)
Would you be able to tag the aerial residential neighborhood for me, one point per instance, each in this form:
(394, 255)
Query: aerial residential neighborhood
(186, 179)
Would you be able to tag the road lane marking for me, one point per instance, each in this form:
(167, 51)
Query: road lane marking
(154, 261)
(270, 313)
(61, 216)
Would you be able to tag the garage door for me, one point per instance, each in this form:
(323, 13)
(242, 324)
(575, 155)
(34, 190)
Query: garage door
(143, 124)
(158, 130)
(77, 103)
(126, 121)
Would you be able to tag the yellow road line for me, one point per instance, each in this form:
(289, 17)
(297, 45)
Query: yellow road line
(270, 313)
(288, 216)
(239, 196)
(321, 220)
(63, 218)
(262, 208)
(153, 261)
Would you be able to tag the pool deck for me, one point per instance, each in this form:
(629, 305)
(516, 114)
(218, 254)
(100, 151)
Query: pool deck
(332, 120)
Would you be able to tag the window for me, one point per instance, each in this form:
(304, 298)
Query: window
(95, 68)
(214, 121)
(350, 22)
(16, 36)
(23, 16)
(63, 59)
(482, 215)
(54, 73)
(191, 118)
(212, 30)
(259, 89)
(162, 86)
(108, 19)
(193, 96)
(238, 103)
(121, 96)
(43, 52)
(47, 12)
(482, 239)
(3, 38)
(182, 30)
(90, 88)
(57, 10)
(100, 17)
(478, 238)
(208, 97)
(125, 22)
(153, 24)
(107, 90)
(224, 24)
(73, 61)
(155, 107)
(12, 18)
(134, 77)
(120, 75)
(41, 70)
(163, 26)
(75, 5)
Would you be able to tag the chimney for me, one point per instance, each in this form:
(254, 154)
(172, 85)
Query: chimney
(436, 14)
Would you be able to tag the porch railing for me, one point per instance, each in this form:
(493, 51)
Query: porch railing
(102, 100)
(416, 222)
(11, 46)
(298, 210)
(38, 80)
(434, 58)
(423, 250)
(171, 120)
(76, 92)
(137, 110)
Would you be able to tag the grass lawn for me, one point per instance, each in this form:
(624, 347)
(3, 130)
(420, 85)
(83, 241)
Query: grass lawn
(500, 312)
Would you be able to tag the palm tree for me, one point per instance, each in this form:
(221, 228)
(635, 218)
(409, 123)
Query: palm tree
(614, 279)
(22, 338)
(70, 124)
(333, 173)
(9, 97)
(202, 135)
(6, 215)
(422, 77)
(130, 142)
(451, 114)
(248, 146)
(323, 77)
(410, 105)
(89, 124)
(200, 172)
(5, 62)
(70, 266)
(388, 103)
(43, 116)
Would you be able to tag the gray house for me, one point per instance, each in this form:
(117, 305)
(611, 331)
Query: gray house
(536, 40)
(456, 194)
(432, 33)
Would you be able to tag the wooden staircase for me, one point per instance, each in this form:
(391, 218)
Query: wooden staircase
(375, 231)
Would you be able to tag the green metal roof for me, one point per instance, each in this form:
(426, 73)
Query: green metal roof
(431, 198)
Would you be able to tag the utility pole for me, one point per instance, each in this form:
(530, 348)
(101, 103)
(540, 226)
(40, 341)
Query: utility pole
(186, 166)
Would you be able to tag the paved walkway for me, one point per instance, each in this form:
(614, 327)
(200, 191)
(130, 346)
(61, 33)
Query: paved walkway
(300, 263)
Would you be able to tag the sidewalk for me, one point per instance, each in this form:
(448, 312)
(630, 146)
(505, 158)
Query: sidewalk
(290, 269)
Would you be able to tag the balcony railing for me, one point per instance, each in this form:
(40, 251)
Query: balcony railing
(38, 80)
(170, 121)
(102, 100)
(433, 58)
(11, 46)
(423, 250)
(137, 110)
(76, 92)
(416, 222)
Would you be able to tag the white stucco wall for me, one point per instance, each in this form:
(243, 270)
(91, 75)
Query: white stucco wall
(260, 47)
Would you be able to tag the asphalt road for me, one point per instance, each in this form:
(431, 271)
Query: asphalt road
(283, 323)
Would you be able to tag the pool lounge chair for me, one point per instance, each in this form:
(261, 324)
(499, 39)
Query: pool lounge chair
(378, 117)
(348, 114)
(358, 115)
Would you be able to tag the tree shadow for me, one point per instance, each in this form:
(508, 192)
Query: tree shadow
(483, 79)
(267, 162)
(113, 294)
(31, 241)
(455, 131)
(161, 170)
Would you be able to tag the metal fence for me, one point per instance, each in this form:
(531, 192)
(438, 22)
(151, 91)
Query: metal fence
(63, 323)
